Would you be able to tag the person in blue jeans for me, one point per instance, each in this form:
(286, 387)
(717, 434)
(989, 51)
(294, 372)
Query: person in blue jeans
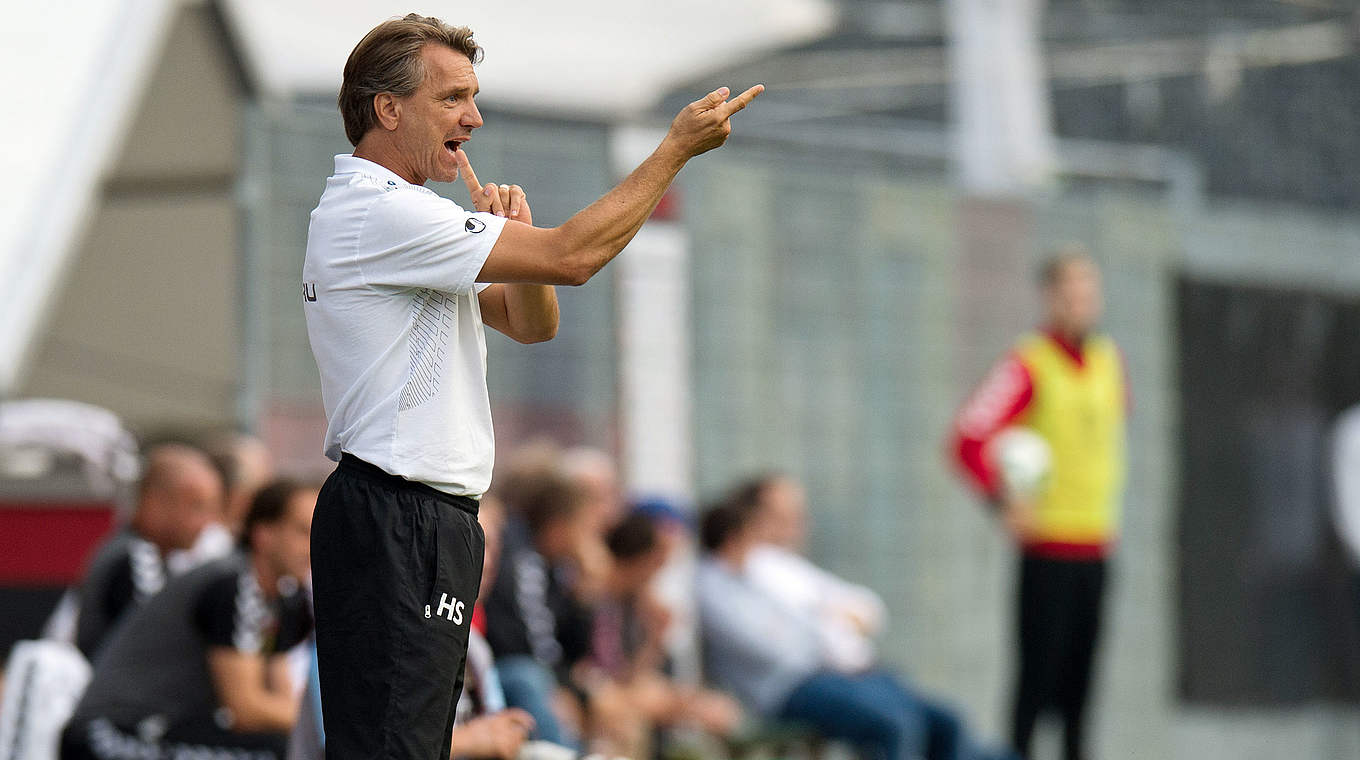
(773, 658)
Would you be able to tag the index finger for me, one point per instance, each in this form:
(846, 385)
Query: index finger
(742, 100)
(469, 176)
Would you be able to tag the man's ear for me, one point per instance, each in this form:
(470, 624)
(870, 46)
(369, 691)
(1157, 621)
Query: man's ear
(388, 109)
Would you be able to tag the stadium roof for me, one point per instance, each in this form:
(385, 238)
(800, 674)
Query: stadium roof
(81, 66)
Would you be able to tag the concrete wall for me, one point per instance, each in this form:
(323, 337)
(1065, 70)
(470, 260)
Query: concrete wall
(146, 323)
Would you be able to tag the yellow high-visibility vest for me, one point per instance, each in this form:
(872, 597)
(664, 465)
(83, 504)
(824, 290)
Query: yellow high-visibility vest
(1079, 409)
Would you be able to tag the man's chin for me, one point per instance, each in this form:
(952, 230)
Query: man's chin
(445, 174)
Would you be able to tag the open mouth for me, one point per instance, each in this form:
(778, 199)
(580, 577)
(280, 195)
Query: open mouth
(452, 145)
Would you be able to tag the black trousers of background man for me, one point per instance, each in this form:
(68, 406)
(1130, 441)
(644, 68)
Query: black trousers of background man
(1059, 611)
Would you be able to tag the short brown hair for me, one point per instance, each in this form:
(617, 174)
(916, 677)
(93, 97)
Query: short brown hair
(387, 59)
(1055, 265)
(547, 500)
(270, 506)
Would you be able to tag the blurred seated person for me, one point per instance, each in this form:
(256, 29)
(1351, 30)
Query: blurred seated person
(538, 612)
(592, 471)
(199, 669)
(848, 616)
(774, 658)
(180, 493)
(484, 725)
(631, 695)
(245, 466)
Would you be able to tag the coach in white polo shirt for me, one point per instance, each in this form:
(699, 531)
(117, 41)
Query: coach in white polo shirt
(397, 285)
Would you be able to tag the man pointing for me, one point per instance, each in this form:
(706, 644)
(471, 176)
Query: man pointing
(397, 285)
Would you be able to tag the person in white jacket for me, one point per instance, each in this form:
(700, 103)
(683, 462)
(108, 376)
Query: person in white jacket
(849, 616)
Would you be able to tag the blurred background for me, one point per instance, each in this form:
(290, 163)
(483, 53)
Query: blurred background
(817, 296)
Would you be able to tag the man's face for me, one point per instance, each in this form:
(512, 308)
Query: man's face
(634, 574)
(600, 489)
(187, 505)
(288, 543)
(784, 514)
(1074, 299)
(440, 115)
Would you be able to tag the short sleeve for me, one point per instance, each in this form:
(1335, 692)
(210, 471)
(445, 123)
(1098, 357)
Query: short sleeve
(215, 612)
(414, 238)
(231, 612)
(295, 622)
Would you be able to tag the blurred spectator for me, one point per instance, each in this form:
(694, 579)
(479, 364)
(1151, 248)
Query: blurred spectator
(179, 495)
(246, 465)
(484, 726)
(632, 695)
(848, 616)
(535, 623)
(524, 468)
(593, 473)
(674, 585)
(773, 657)
(198, 670)
(630, 624)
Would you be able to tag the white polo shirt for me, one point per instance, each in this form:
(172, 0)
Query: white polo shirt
(391, 302)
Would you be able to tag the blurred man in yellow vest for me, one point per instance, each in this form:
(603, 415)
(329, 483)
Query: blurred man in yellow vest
(1067, 384)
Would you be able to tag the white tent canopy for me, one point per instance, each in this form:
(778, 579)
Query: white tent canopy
(83, 64)
(80, 66)
(598, 59)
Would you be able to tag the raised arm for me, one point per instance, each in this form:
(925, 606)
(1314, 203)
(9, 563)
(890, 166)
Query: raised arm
(574, 252)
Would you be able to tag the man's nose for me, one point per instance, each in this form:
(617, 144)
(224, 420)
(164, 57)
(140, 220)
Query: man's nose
(472, 117)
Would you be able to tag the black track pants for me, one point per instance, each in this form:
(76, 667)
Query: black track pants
(1059, 614)
(395, 571)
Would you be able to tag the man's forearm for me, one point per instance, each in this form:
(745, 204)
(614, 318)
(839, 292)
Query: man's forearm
(532, 311)
(572, 253)
(595, 235)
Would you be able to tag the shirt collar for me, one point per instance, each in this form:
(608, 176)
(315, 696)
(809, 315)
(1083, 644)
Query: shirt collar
(346, 163)
(1076, 350)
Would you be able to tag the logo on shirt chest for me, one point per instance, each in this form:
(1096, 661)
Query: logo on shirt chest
(309, 291)
(449, 607)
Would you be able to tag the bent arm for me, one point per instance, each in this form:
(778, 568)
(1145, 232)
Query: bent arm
(524, 313)
(1000, 400)
(241, 682)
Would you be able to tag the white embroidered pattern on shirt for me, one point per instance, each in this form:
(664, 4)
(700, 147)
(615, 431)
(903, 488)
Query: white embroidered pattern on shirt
(148, 572)
(432, 324)
(252, 617)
